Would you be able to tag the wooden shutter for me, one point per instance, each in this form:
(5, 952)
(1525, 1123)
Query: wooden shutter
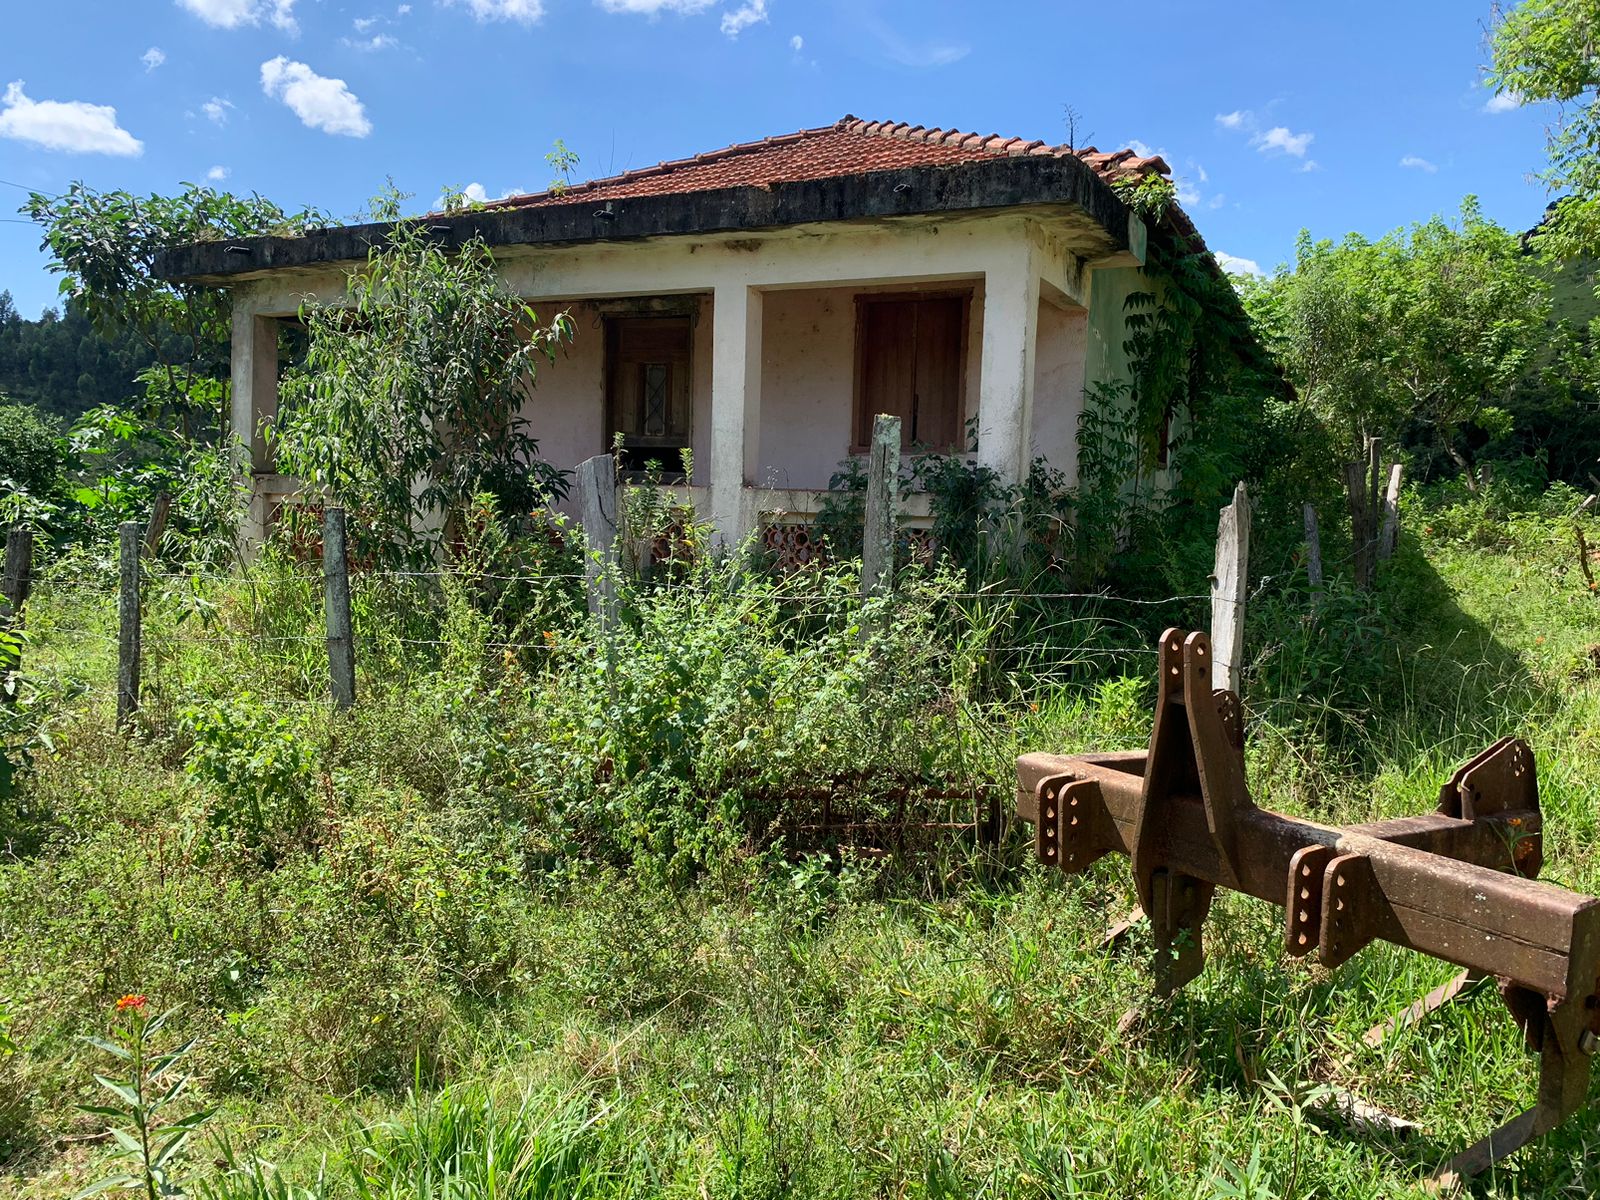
(911, 354)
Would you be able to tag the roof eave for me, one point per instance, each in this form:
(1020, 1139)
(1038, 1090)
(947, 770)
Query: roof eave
(967, 187)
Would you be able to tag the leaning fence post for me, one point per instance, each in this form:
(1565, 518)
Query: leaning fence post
(1389, 533)
(336, 593)
(130, 541)
(1313, 547)
(597, 510)
(157, 528)
(1228, 582)
(883, 479)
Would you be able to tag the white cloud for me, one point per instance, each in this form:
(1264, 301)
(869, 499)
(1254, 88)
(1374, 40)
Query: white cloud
(70, 125)
(231, 14)
(1310, 165)
(153, 58)
(1503, 102)
(1187, 194)
(797, 43)
(654, 8)
(736, 21)
(1279, 138)
(363, 24)
(224, 14)
(1234, 120)
(1142, 149)
(319, 102)
(476, 193)
(914, 54)
(525, 11)
(1200, 171)
(371, 45)
(216, 110)
(218, 174)
(1417, 163)
(402, 10)
(1232, 264)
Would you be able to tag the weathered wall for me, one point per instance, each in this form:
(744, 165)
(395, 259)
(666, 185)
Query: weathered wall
(808, 379)
(1058, 386)
(1109, 288)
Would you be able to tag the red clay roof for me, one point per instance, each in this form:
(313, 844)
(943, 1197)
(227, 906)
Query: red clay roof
(848, 147)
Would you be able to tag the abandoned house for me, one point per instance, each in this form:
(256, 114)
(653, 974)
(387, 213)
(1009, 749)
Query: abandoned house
(757, 305)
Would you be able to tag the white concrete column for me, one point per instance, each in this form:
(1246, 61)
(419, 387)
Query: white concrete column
(254, 399)
(735, 407)
(1005, 381)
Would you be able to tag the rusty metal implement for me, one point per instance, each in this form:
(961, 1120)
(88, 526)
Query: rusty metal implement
(1458, 884)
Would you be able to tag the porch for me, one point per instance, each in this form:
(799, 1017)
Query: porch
(747, 370)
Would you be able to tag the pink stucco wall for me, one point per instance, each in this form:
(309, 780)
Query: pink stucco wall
(808, 379)
(1058, 386)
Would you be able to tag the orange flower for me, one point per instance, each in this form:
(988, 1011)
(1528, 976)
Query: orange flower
(133, 1001)
(549, 637)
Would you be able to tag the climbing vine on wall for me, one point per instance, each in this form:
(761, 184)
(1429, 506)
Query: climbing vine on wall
(1199, 400)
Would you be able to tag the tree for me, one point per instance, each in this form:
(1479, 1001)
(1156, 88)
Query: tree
(62, 365)
(104, 244)
(1549, 50)
(1421, 333)
(30, 450)
(1546, 50)
(411, 398)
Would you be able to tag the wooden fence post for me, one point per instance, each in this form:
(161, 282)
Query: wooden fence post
(17, 580)
(1313, 547)
(1389, 532)
(336, 600)
(1228, 582)
(130, 539)
(597, 509)
(883, 485)
(15, 583)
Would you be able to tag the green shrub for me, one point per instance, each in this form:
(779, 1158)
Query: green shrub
(258, 768)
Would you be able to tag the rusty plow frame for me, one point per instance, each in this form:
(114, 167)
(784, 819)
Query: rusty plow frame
(1458, 884)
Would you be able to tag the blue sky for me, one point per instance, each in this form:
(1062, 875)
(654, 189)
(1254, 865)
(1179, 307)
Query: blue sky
(1275, 115)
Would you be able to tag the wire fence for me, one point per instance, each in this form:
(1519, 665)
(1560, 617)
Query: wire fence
(274, 618)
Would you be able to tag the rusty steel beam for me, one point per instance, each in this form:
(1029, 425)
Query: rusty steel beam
(1457, 884)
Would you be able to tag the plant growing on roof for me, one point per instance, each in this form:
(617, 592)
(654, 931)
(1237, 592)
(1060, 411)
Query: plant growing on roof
(411, 399)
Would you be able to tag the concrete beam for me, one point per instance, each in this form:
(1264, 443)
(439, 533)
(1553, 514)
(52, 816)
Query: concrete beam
(999, 183)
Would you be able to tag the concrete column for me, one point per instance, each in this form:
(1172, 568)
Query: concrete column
(735, 407)
(1005, 382)
(255, 398)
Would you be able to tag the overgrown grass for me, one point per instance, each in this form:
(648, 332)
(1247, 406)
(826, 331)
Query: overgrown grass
(515, 926)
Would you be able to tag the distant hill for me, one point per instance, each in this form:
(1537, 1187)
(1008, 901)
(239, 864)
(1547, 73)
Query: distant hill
(60, 364)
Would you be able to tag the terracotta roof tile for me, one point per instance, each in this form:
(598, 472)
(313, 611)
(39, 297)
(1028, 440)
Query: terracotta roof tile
(847, 147)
